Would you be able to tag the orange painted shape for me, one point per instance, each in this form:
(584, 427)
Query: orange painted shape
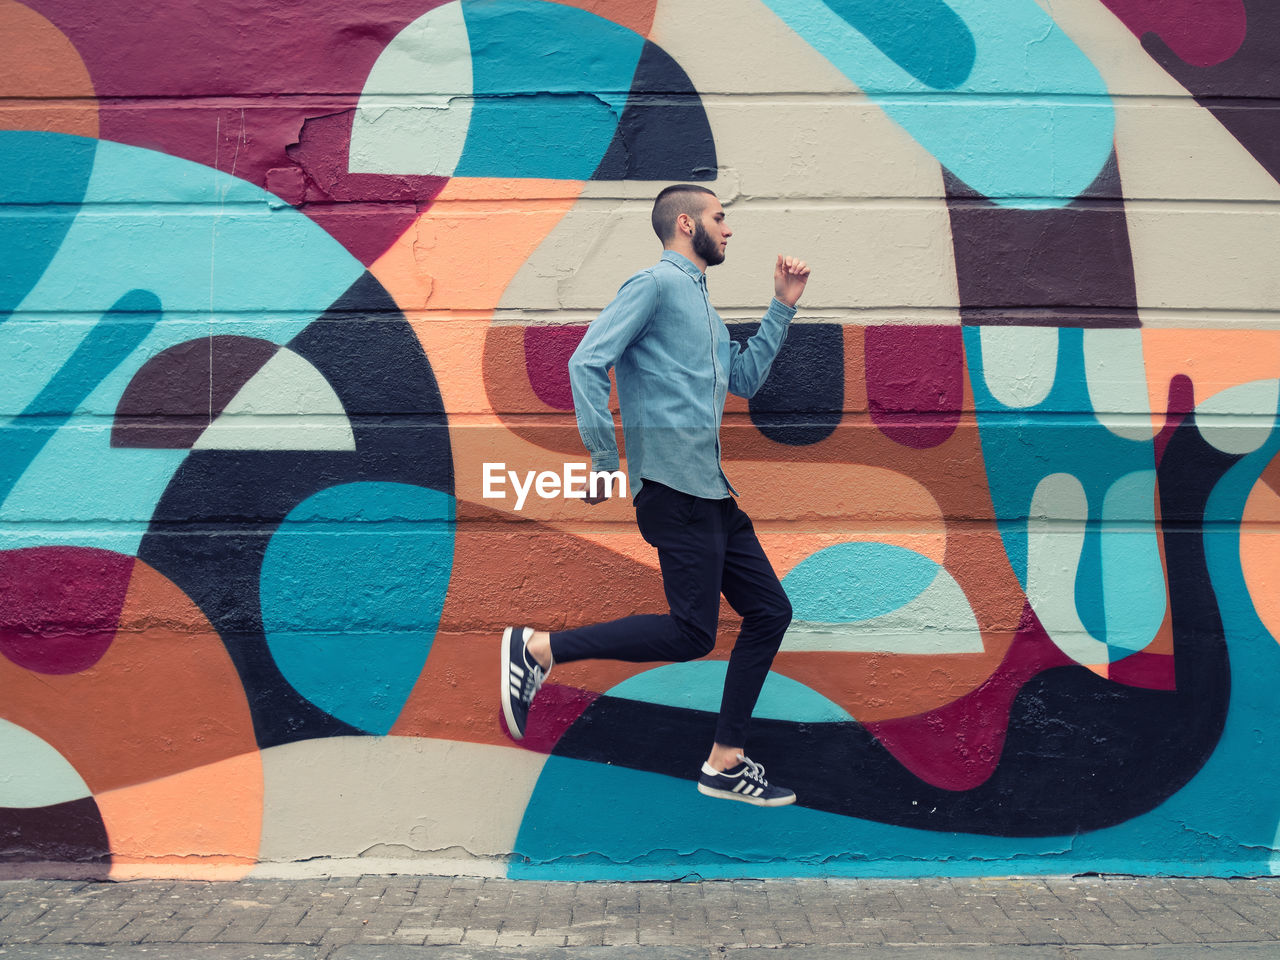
(163, 699)
(463, 251)
(44, 85)
(635, 15)
(1213, 359)
(201, 824)
(1260, 554)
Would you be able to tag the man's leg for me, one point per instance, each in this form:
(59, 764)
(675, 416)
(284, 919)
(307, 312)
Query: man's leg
(688, 533)
(752, 589)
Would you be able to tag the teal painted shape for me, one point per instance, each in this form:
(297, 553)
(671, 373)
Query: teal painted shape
(924, 37)
(33, 773)
(697, 685)
(550, 83)
(352, 586)
(1031, 125)
(849, 582)
(107, 345)
(224, 258)
(47, 173)
(658, 827)
(1222, 823)
(1133, 584)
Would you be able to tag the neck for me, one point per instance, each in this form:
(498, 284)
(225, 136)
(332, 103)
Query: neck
(686, 250)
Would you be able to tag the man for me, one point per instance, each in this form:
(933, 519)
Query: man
(674, 362)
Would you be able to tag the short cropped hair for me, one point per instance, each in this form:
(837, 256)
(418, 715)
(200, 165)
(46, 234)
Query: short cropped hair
(673, 201)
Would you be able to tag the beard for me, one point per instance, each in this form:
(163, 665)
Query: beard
(706, 248)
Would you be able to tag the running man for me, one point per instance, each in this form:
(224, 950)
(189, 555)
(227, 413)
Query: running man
(674, 362)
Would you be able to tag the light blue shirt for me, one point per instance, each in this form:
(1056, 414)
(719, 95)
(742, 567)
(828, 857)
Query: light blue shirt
(674, 364)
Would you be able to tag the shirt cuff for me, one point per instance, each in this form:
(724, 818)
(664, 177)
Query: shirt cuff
(604, 463)
(780, 310)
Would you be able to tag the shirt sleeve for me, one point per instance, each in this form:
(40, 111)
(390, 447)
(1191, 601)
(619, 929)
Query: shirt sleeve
(749, 363)
(619, 325)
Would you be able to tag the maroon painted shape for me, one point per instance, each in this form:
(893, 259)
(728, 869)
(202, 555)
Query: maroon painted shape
(915, 382)
(546, 358)
(365, 212)
(552, 713)
(958, 746)
(63, 833)
(176, 394)
(60, 606)
(1200, 32)
(1153, 671)
(232, 85)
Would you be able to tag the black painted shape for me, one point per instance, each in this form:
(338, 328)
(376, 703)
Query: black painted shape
(663, 133)
(1241, 91)
(1082, 753)
(802, 399)
(211, 528)
(71, 832)
(1065, 266)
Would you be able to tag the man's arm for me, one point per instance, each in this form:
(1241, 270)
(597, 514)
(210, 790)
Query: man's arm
(619, 325)
(749, 366)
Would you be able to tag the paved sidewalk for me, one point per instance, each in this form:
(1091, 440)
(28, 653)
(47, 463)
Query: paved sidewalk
(442, 918)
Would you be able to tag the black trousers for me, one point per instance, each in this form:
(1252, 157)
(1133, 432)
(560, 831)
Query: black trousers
(705, 548)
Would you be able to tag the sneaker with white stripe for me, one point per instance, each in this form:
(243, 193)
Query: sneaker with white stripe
(522, 677)
(744, 782)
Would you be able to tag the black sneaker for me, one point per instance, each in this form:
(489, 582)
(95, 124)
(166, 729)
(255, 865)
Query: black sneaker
(744, 782)
(521, 678)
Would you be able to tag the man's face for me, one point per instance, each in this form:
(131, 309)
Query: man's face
(711, 233)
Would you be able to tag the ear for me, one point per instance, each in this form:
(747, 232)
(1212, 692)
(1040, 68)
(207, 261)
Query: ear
(685, 222)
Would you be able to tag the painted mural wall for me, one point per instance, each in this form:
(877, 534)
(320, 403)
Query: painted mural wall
(279, 280)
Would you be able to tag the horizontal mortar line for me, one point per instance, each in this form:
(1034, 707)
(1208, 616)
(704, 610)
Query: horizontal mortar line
(510, 521)
(483, 419)
(483, 207)
(555, 316)
(336, 101)
(479, 420)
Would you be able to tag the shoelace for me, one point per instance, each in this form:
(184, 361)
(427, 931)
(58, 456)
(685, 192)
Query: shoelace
(754, 771)
(534, 676)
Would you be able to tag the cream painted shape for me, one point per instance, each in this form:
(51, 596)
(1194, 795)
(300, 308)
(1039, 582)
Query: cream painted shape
(840, 185)
(415, 108)
(1117, 382)
(1239, 420)
(1019, 364)
(394, 798)
(287, 405)
(1055, 541)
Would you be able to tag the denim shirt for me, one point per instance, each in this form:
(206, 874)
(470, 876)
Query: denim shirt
(674, 363)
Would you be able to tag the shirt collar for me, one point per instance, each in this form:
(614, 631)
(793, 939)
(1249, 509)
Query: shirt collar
(685, 264)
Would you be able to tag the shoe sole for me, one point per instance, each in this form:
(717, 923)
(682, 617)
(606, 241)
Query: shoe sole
(754, 801)
(512, 727)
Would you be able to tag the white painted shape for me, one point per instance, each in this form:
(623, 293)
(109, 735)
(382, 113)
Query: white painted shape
(1172, 154)
(1117, 381)
(33, 773)
(1238, 420)
(938, 621)
(841, 185)
(415, 108)
(1055, 541)
(1019, 363)
(406, 800)
(287, 405)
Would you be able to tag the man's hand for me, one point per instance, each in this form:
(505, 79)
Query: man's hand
(597, 490)
(789, 277)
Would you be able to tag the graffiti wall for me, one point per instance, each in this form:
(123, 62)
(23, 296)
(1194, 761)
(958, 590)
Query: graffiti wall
(279, 281)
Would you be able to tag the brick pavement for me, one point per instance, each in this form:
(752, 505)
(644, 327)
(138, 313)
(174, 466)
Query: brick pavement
(396, 916)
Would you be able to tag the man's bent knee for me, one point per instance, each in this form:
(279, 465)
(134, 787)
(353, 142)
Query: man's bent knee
(697, 641)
